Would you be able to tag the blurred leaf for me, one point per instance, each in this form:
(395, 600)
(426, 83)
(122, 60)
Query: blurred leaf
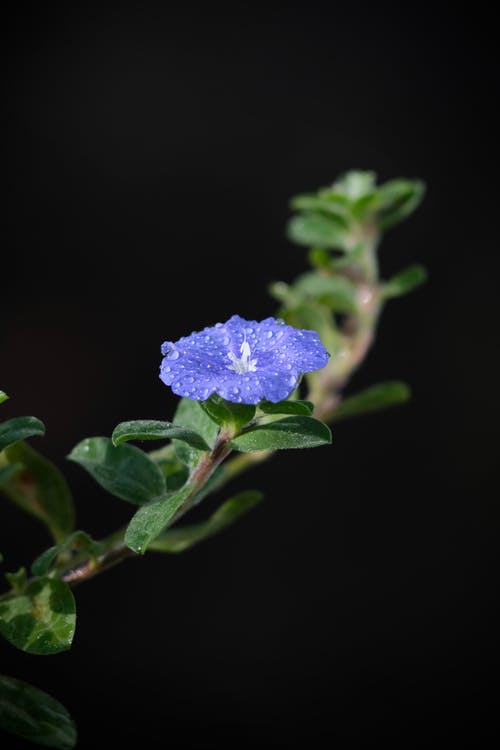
(180, 539)
(6, 472)
(287, 407)
(125, 471)
(42, 619)
(18, 580)
(322, 204)
(316, 230)
(151, 519)
(364, 208)
(405, 281)
(372, 399)
(227, 413)
(355, 184)
(190, 414)
(39, 489)
(319, 258)
(78, 541)
(334, 291)
(3, 397)
(19, 428)
(34, 715)
(290, 432)
(146, 429)
(398, 199)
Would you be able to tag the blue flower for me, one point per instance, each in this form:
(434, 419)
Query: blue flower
(242, 360)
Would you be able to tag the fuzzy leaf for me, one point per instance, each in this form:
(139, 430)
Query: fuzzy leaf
(334, 291)
(151, 519)
(317, 230)
(42, 619)
(19, 428)
(75, 542)
(124, 471)
(147, 429)
(39, 488)
(190, 414)
(399, 199)
(227, 413)
(287, 407)
(35, 715)
(180, 539)
(372, 399)
(405, 281)
(290, 432)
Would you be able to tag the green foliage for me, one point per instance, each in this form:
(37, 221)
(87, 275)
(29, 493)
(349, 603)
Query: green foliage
(152, 519)
(3, 397)
(36, 485)
(314, 228)
(405, 281)
(75, 544)
(228, 414)
(289, 432)
(304, 408)
(148, 429)
(191, 415)
(124, 470)
(41, 619)
(179, 539)
(323, 288)
(331, 217)
(398, 200)
(372, 399)
(35, 715)
(19, 428)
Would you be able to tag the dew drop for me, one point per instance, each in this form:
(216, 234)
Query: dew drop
(174, 354)
(269, 334)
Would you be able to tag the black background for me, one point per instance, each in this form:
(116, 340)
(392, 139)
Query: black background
(148, 156)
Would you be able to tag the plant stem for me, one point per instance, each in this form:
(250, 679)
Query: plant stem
(356, 337)
(115, 549)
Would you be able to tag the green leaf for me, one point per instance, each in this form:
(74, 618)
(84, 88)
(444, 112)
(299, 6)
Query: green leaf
(290, 432)
(190, 414)
(124, 471)
(355, 184)
(35, 715)
(399, 199)
(405, 281)
(39, 489)
(287, 407)
(372, 399)
(3, 397)
(321, 204)
(146, 429)
(227, 413)
(316, 230)
(42, 619)
(6, 472)
(151, 519)
(335, 291)
(180, 539)
(19, 428)
(76, 542)
(18, 580)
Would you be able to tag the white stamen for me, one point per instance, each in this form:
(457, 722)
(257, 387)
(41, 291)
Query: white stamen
(244, 363)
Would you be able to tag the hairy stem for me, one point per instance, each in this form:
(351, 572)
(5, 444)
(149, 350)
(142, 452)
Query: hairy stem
(115, 550)
(324, 390)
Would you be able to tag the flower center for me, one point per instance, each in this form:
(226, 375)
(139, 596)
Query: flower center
(244, 363)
